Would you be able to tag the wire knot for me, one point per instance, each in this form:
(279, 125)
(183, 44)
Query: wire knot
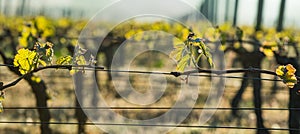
(176, 74)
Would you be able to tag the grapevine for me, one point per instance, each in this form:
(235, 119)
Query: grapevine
(36, 51)
(42, 43)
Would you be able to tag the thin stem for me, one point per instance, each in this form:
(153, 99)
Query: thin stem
(69, 67)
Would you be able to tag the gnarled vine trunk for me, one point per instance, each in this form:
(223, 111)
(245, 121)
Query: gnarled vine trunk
(79, 113)
(250, 59)
(294, 97)
(39, 90)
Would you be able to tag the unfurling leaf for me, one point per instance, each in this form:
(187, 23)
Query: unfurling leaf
(183, 63)
(43, 63)
(26, 60)
(66, 60)
(287, 74)
(206, 53)
(210, 61)
(190, 52)
(45, 51)
(280, 71)
(177, 53)
(290, 69)
(80, 60)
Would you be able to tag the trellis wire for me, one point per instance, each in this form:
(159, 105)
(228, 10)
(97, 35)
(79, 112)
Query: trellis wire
(152, 108)
(165, 73)
(163, 108)
(147, 125)
(100, 68)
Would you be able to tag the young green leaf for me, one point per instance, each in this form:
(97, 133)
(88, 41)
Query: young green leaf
(26, 60)
(177, 53)
(287, 74)
(183, 63)
(43, 63)
(66, 60)
(80, 60)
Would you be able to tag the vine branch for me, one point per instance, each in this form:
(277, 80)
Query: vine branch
(219, 72)
(69, 67)
(176, 74)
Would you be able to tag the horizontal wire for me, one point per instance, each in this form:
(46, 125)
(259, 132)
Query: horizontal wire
(234, 77)
(148, 125)
(100, 68)
(200, 75)
(169, 73)
(136, 72)
(155, 108)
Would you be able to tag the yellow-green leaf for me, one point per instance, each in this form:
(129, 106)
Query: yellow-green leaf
(43, 63)
(26, 60)
(80, 60)
(209, 60)
(177, 53)
(183, 63)
(66, 60)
